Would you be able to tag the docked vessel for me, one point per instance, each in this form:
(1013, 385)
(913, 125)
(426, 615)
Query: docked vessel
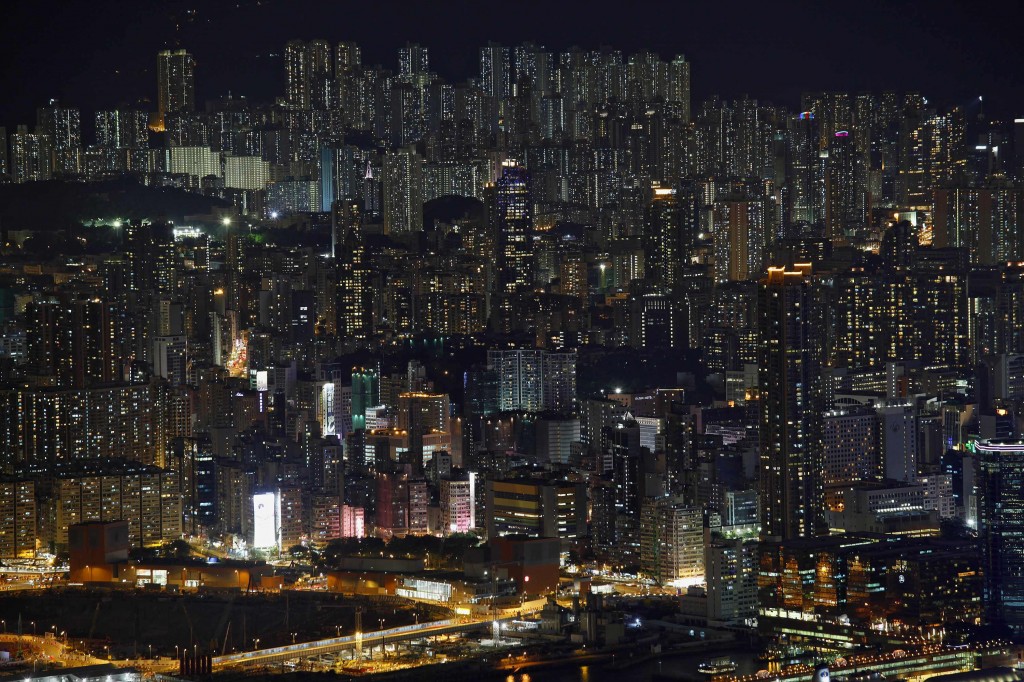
(717, 666)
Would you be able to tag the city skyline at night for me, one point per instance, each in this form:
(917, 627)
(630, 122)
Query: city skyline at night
(545, 342)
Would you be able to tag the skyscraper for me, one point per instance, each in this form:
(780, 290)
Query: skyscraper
(4, 168)
(663, 235)
(739, 238)
(403, 191)
(176, 84)
(1001, 528)
(789, 378)
(122, 129)
(804, 171)
(63, 126)
(296, 73)
(321, 74)
(534, 380)
(514, 223)
(31, 158)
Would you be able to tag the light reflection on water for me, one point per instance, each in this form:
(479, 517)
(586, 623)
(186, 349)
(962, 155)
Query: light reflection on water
(681, 668)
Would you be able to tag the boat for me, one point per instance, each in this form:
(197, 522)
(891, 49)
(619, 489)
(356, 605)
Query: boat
(717, 666)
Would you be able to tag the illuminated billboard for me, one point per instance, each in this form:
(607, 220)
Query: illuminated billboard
(266, 520)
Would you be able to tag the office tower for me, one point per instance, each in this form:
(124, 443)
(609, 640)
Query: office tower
(403, 192)
(537, 509)
(297, 74)
(175, 82)
(63, 126)
(789, 380)
(513, 223)
(897, 443)
(663, 234)
(657, 322)
(31, 157)
(1000, 490)
(423, 414)
(354, 308)
(365, 394)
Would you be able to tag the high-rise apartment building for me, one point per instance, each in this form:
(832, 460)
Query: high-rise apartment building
(147, 497)
(534, 380)
(671, 541)
(63, 126)
(122, 129)
(176, 85)
(19, 519)
(403, 192)
(31, 157)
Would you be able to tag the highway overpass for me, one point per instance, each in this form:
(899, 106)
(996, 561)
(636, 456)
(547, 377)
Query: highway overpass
(336, 644)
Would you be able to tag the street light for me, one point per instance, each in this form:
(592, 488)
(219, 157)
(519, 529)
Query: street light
(294, 635)
(34, 633)
(177, 651)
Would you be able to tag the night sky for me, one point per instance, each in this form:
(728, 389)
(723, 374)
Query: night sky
(101, 54)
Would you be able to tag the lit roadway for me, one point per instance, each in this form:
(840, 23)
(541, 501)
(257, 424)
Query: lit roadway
(336, 644)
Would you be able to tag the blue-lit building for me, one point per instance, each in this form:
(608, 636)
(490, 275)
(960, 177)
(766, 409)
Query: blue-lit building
(1001, 528)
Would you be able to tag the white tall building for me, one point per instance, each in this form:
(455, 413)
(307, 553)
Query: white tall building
(458, 505)
(246, 172)
(672, 542)
(197, 161)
